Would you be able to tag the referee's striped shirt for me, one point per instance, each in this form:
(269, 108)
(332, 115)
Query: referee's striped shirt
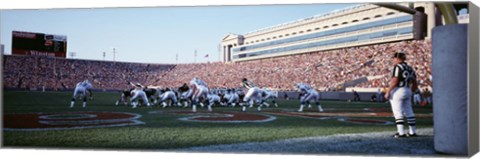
(404, 73)
(248, 84)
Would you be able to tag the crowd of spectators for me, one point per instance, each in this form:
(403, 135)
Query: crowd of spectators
(322, 70)
(36, 72)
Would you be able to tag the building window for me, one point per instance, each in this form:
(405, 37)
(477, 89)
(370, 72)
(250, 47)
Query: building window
(317, 28)
(287, 34)
(325, 26)
(280, 36)
(268, 38)
(274, 37)
(390, 13)
(366, 18)
(334, 25)
(294, 33)
(300, 32)
(378, 16)
(353, 21)
(309, 30)
(344, 23)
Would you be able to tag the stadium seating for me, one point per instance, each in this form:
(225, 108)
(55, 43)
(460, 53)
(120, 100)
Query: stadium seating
(323, 70)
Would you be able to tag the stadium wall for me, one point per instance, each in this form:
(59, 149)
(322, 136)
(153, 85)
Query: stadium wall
(360, 25)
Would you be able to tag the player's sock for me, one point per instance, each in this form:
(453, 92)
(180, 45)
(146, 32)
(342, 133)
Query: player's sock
(400, 126)
(116, 103)
(275, 103)
(411, 125)
(84, 104)
(134, 104)
(259, 108)
(201, 104)
(266, 104)
(194, 108)
(244, 108)
(210, 107)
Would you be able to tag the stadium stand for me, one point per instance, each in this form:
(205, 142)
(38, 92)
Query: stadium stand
(363, 66)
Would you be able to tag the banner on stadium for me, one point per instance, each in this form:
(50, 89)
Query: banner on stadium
(27, 43)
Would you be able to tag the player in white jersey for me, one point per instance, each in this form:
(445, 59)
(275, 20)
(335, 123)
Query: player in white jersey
(417, 99)
(402, 84)
(82, 89)
(212, 99)
(309, 93)
(232, 97)
(253, 94)
(165, 95)
(268, 95)
(199, 89)
(138, 92)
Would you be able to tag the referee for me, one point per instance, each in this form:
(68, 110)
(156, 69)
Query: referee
(402, 84)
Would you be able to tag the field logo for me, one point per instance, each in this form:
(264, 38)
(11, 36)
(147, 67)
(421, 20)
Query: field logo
(226, 117)
(68, 120)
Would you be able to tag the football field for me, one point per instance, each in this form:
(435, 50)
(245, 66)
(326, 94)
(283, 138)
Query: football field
(44, 120)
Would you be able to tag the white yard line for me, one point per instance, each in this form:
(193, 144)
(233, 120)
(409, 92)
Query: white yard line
(378, 143)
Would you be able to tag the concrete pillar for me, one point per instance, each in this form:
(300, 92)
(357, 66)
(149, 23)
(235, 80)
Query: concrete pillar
(449, 63)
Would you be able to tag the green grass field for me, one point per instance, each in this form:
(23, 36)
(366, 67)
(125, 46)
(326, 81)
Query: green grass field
(162, 129)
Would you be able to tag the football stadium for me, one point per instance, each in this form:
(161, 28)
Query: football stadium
(343, 56)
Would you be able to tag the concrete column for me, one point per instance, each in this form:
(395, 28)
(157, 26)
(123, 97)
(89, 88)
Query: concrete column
(449, 63)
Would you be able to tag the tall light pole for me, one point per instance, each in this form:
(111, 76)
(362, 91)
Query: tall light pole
(195, 56)
(114, 54)
(104, 56)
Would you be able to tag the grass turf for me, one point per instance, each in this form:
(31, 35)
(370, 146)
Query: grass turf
(163, 131)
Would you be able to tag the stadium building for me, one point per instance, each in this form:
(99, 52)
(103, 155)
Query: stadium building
(360, 25)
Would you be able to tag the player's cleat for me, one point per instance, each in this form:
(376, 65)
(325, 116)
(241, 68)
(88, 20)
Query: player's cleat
(194, 108)
(84, 104)
(309, 106)
(266, 104)
(71, 104)
(276, 105)
(201, 104)
(116, 103)
(320, 109)
(397, 135)
(300, 109)
(244, 108)
(259, 108)
(412, 135)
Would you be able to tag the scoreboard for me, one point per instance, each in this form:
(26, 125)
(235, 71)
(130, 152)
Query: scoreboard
(28, 43)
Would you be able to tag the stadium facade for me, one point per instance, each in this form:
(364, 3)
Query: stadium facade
(364, 24)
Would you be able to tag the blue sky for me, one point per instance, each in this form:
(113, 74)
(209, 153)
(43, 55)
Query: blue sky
(152, 34)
